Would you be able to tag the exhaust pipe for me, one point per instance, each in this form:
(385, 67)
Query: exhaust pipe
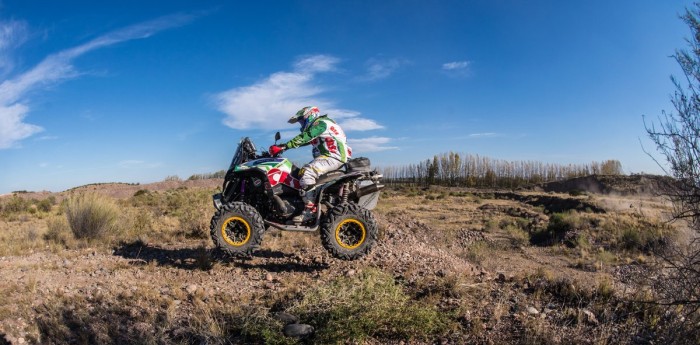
(374, 187)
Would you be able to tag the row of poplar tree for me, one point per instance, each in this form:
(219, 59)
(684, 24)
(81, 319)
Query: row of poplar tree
(467, 170)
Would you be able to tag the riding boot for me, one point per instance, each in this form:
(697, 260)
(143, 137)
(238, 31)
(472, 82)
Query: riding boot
(310, 209)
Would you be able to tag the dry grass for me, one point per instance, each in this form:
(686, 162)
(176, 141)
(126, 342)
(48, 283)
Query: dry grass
(22, 236)
(91, 216)
(373, 306)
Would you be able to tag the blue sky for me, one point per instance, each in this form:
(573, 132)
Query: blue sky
(134, 91)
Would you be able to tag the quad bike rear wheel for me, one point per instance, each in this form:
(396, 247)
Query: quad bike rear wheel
(237, 229)
(348, 231)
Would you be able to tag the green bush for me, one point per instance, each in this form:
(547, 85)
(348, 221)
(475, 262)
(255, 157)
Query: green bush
(91, 216)
(372, 305)
(643, 237)
(16, 205)
(559, 225)
(44, 205)
(141, 192)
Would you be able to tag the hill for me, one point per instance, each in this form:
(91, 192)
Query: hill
(608, 184)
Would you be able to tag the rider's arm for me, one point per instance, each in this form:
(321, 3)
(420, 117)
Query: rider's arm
(306, 136)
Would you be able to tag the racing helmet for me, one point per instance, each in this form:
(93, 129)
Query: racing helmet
(306, 116)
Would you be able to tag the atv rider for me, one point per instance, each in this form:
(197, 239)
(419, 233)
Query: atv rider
(330, 152)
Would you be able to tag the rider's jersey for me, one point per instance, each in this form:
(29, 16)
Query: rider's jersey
(327, 138)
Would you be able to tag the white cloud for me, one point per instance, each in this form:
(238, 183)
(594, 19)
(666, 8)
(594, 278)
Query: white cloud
(457, 68)
(382, 68)
(317, 63)
(12, 129)
(55, 68)
(483, 135)
(268, 103)
(456, 65)
(371, 144)
(359, 124)
(12, 34)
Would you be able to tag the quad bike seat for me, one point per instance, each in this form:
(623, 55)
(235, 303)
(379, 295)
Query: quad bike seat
(360, 164)
(329, 176)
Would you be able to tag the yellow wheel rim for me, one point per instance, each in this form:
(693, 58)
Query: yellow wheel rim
(235, 231)
(350, 233)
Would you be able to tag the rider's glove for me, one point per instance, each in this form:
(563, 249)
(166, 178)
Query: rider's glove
(275, 150)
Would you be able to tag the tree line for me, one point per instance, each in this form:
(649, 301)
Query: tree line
(467, 170)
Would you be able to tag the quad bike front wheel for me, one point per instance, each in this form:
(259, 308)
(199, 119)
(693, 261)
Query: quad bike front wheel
(348, 231)
(237, 229)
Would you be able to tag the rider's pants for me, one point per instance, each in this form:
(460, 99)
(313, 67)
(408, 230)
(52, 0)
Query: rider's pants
(317, 167)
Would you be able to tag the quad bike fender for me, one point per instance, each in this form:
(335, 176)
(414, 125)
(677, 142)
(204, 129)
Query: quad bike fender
(367, 193)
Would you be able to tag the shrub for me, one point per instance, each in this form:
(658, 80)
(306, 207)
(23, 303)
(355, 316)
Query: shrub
(58, 231)
(44, 205)
(518, 236)
(194, 223)
(16, 205)
(577, 192)
(91, 216)
(371, 305)
(559, 225)
(476, 252)
(643, 237)
(141, 192)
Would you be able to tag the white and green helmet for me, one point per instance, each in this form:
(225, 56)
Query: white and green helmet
(305, 116)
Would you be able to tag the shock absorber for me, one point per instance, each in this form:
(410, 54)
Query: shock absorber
(345, 192)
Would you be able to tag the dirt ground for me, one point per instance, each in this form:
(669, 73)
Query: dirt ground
(479, 240)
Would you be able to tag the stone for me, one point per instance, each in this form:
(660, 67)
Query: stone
(532, 310)
(589, 317)
(350, 273)
(297, 330)
(286, 318)
(269, 277)
(192, 288)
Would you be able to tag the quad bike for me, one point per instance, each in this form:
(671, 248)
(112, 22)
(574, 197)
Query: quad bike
(262, 191)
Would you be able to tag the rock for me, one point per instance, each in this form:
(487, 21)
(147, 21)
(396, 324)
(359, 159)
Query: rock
(143, 328)
(269, 277)
(286, 318)
(532, 311)
(350, 273)
(589, 317)
(297, 330)
(192, 288)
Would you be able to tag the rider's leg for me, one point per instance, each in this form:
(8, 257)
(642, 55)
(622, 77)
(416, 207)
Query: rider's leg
(308, 175)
